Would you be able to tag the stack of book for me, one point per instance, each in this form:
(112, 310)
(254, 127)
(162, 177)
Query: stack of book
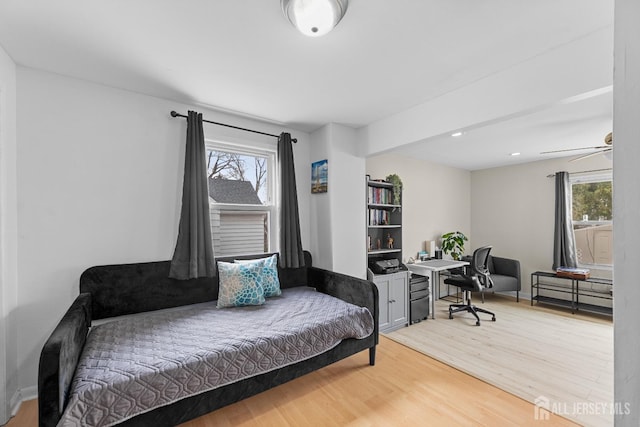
(573, 273)
(379, 196)
(378, 217)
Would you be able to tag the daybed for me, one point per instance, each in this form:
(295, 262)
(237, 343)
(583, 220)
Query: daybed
(122, 290)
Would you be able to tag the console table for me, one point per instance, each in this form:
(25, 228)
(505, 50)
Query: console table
(576, 289)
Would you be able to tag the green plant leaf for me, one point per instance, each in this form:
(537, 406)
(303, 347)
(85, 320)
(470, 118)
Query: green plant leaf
(397, 187)
(453, 243)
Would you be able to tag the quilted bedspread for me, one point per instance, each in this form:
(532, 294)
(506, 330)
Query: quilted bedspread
(133, 365)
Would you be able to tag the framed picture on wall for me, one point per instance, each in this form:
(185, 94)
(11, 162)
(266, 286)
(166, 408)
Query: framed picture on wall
(319, 175)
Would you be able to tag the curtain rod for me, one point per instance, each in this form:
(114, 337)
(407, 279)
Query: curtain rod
(573, 173)
(174, 114)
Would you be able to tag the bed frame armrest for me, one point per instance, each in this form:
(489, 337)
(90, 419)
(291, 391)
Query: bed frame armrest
(59, 358)
(363, 293)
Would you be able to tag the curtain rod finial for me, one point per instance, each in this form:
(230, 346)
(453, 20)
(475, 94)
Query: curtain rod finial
(174, 114)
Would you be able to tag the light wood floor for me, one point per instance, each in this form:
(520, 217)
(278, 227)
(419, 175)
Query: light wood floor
(404, 388)
(532, 352)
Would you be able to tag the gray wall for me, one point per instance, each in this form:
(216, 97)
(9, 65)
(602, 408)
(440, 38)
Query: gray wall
(626, 206)
(8, 239)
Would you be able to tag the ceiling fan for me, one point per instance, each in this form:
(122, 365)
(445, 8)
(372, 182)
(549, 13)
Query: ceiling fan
(607, 148)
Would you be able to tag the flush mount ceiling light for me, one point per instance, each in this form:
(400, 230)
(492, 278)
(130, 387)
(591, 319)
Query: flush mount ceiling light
(314, 17)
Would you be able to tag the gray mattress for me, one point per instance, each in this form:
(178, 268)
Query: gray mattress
(134, 365)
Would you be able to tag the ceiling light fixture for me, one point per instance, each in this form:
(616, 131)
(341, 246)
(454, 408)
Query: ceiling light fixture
(455, 134)
(514, 154)
(314, 17)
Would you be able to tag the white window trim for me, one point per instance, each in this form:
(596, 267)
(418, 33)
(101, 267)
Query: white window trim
(585, 178)
(593, 223)
(253, 149)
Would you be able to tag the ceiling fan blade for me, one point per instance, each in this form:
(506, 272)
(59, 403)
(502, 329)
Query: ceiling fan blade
(600, 147)
(590, 155)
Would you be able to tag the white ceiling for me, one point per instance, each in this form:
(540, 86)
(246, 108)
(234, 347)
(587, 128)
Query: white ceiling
(383, 58)
(572, 125)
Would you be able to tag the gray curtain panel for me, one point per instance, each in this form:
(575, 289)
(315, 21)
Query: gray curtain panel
(564, 243)
(291, 254)
(193, 256)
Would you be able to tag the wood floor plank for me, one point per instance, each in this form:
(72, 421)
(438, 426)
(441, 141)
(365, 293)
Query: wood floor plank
(27, 416)
(528, 351)
(404, 387)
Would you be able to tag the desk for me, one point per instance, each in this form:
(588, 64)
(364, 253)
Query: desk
(432, 268)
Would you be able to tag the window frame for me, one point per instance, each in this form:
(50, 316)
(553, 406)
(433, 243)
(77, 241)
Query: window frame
(588, 178)
(271, 205)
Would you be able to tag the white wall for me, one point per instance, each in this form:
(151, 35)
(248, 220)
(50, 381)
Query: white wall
(435, 199)
(320, 203)
(8, 238)
(626, 205)
(347, 192)
(338, 216)
(513, 210)
(99, 182)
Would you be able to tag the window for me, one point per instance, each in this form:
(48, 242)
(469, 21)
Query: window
(241, 199)
(592, 219)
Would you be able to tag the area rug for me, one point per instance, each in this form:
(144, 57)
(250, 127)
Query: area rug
(562, 363)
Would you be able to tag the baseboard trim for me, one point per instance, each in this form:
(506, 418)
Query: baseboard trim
(14, 403)
(20, 396)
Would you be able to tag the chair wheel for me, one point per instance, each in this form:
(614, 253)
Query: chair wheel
(478, 323)
(493, 319)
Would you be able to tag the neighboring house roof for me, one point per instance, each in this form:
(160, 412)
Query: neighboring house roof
(233, 191)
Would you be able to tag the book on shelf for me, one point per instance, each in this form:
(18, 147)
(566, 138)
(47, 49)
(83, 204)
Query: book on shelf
(379, 196)
(379, 217)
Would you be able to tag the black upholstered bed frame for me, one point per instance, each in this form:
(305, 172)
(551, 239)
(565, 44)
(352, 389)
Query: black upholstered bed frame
(114, 290)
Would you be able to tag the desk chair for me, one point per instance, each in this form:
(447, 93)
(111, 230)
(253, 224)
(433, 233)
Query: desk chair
(475, 278)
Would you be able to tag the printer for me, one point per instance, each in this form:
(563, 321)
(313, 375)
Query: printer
(385, 266)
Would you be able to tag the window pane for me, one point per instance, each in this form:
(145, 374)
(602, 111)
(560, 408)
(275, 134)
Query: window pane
(592, 201)
(238, 178)
(594, 244)
(592, 216)
(238, 233)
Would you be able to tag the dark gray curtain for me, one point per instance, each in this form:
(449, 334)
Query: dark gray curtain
(291, 254)
(564, 244)
(193, 256)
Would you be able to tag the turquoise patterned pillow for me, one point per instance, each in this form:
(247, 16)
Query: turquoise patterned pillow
(239, 285)
(268, 274)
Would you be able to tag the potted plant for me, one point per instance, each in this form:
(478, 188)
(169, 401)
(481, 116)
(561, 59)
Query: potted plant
(453, 243)
(397, 187)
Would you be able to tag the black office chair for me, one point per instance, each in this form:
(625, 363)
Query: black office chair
(475, 278)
